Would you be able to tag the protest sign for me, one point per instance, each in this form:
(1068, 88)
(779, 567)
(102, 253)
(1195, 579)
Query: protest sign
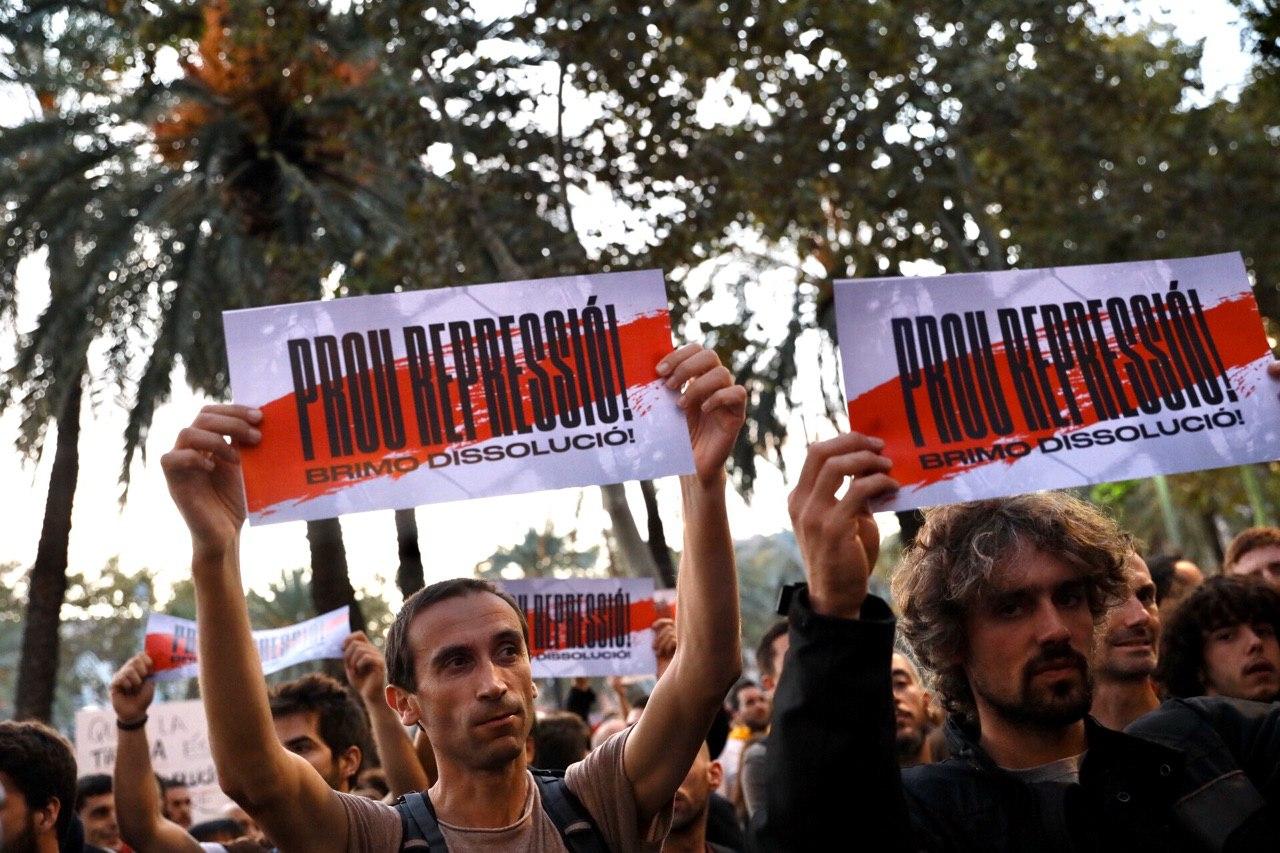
(171, 643)
(388, 402)
(179, 740)
(990, 384)
(587, 627)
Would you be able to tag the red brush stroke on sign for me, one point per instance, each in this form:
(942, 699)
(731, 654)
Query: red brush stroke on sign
(879, 411)
(642, 614)
(160, 648)
(275, 470)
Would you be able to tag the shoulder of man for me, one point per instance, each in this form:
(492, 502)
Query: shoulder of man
(600, 784)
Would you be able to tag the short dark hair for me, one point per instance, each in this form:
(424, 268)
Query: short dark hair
(93, 785)
(560, 738)
(735, 700)
(342, 721)
(1162, 568)
(42, 766)
(168, 783)
(766, 654)
(1249, 539)
(218, 829)
(1220, 602)
(400, 663)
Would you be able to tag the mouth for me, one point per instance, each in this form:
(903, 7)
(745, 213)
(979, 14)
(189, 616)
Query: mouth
(499, 720)
(1261, 667)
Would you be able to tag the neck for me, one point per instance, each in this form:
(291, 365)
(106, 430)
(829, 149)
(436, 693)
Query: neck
(47, 843)
(690, 839)
(1016, 746)
(923, 755)
(1116, 704)
(480, 799)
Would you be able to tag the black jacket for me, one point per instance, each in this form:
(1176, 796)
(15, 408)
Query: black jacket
(1201, 774)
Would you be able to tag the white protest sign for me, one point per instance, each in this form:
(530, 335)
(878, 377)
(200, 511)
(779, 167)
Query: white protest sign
(588, 627)
(171, 643)
(990, 384)
(388, 402)
(179, 739)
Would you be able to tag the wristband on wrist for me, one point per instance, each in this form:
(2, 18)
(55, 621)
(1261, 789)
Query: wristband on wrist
(131, 727)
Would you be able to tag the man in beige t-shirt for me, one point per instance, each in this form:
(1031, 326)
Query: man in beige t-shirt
(458, 664)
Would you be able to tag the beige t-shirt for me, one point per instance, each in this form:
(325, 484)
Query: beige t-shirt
(598, 781)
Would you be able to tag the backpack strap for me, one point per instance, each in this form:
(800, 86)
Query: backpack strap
(574, 822)
(419, 828)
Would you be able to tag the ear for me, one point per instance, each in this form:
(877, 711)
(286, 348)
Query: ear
(715, 774)
(535, 690)
(768, 683)
(46, 818)
(405, 705)
(349, 762)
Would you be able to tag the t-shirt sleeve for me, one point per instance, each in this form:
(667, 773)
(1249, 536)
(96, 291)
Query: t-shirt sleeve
(372, 826)
(601, 784)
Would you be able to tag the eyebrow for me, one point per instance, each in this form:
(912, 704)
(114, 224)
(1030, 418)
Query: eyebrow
(507, 635)
(300, 741)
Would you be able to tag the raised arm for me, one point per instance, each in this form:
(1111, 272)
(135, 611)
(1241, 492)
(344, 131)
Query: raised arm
(280, 790)
(367, 673)
(830, 761)
(707, 658)
(142, 824)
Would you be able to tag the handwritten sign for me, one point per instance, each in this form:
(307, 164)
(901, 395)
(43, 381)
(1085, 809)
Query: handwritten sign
(388, 402)
(990, 384)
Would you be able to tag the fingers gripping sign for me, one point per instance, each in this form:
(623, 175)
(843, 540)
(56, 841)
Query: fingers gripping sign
(715, 408)
(203, 472)
(838, 536)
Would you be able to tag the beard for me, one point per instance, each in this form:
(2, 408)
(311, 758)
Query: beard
(24, 841)
(909, 742)
(1045, 706)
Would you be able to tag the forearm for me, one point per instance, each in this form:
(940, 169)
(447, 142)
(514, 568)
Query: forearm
(399, 759)
(142, 823)
(250, 761)
(708, 648)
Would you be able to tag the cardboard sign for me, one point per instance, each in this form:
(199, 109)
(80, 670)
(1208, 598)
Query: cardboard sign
(171, 643)
(580, 627)
(990, 384)
(179, 739)
(388, 402)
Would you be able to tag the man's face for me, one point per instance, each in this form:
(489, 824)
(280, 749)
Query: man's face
(17, 820)
(1263, 563)
(300, 734)
(475, 687)
(177, 806)
(754, 708)
(98, 814)
(1186, 577)
(1028, 637)
(910, 707)
(1242, 661)
(695, 791)
(781, 645)
(1126, 650)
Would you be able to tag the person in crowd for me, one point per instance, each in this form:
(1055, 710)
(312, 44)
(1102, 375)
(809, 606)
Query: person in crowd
(220, 830)
(1222, 642)
(175, 801)
(38, 778)
(560, 738)
(1000, 599)
(749, 708)
(911, 717)
(96, 808)
(403, 763)
(248, 828)
(316, 718)
(1255, 552)
(458, 665)
(373, 784)
(771, 652)
(747, 794)
(582, 697)
(692, 808)
(1175, 578)
(1124, 654)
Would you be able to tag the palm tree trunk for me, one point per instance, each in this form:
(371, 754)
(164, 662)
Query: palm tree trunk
(330, 586)
(657, 537)
(409, 575)
(38, 667)
(633, 552)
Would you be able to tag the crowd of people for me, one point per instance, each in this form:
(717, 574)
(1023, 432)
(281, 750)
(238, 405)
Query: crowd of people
(1043, 684)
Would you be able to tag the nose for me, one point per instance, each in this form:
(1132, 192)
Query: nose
(1252, 641)
(1050, 626)
(1134, 612)
(491, 685)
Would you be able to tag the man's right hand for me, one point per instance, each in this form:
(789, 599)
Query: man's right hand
(203, 471)
(366, 668)
(132, 689)
(838, 537)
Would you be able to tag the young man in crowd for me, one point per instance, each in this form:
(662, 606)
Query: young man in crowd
(1222, 642)
(748, 791)
(458, 666)
(38, 775)
(692, 808)
(96, 808)
(910, 712)
(1124, 655)
(1255, 552)
(560, 738)
(1001, 599)
(175, 801)
(1175, 578)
